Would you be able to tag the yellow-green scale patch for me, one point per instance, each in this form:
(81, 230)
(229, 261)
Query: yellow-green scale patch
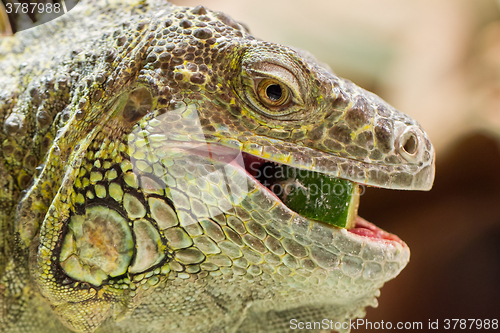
(98, 244)
(148, 245)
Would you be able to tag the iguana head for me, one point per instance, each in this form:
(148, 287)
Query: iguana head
(157, 201)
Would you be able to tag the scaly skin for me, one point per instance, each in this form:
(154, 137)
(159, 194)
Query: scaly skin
(123, 203)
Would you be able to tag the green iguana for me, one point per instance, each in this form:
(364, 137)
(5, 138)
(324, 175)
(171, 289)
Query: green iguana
(133, 138)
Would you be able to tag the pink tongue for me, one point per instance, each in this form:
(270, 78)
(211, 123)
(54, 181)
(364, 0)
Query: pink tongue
(367, 229)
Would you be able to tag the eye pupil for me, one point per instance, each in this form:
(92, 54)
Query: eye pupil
(274, 92)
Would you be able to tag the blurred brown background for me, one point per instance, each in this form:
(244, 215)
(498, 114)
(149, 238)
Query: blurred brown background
(438, 61)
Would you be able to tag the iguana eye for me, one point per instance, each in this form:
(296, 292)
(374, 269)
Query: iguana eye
(273, 93)
(271, 90)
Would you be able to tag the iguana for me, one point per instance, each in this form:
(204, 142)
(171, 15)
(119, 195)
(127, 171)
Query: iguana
(127, 200)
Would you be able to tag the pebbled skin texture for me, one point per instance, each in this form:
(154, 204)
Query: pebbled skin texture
(123, 203)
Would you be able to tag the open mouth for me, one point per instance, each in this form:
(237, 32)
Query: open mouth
(315, 196)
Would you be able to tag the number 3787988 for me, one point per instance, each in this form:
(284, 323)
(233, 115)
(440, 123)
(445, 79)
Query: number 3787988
(32, 8)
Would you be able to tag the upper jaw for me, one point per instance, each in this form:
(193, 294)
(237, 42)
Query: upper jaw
(397, 176)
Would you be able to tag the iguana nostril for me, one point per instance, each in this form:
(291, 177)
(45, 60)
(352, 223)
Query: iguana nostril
(411, 145)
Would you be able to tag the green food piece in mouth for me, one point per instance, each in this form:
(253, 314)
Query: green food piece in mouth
(317, 196)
